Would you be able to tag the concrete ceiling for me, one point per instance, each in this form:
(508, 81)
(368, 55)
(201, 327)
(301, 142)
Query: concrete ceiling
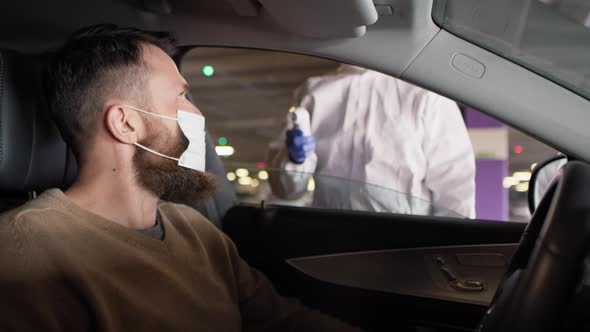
(248, 97)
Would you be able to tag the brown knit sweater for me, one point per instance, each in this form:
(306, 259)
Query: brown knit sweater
(63, 268)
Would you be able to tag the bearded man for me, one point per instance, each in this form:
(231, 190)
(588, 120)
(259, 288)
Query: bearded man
(110, 253)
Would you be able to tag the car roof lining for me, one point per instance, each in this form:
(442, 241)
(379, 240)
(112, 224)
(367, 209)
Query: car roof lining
(506, 91)
(406, 44)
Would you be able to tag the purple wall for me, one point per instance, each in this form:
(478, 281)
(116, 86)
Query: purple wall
(475, 119)
(491, 198)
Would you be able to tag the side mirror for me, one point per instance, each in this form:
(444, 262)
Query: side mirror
(542, 176)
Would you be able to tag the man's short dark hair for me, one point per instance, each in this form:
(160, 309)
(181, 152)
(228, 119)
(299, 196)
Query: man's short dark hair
(95, 63)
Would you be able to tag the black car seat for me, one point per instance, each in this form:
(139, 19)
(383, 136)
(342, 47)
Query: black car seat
(225, 198)
(34, 157)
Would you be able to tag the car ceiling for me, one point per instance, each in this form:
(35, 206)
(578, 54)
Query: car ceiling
(406, 44)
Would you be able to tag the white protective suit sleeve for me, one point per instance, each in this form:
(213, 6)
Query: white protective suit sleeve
(287, 179)
(450, 169)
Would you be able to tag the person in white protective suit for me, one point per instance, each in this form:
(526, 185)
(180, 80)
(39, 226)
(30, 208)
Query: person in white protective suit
(381, 133)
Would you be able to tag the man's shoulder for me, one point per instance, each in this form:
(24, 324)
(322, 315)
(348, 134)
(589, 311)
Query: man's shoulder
(176, 208)
(190, 223)
(23, 231)
(38, 208)
(180, 212)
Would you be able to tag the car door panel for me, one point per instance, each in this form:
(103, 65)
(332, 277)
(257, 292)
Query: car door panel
(378, 271)
(468, 274)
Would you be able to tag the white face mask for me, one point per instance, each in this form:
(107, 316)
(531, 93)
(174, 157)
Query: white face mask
(193, 127)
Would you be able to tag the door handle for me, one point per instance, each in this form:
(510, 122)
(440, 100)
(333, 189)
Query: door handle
(455, 282)
(468, 285)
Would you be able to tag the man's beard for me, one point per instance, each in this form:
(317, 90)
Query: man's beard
(164, 177)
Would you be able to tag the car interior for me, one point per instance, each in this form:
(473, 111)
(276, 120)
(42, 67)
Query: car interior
(381, 272)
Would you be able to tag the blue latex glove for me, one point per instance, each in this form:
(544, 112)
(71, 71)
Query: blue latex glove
(299, 146)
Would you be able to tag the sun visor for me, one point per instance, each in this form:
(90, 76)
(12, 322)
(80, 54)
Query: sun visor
(322, 18)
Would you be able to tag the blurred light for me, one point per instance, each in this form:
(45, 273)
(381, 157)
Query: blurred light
(522, 176)
(224, 151)
(222, 141)
(245, 181)
(231, 176)
(522, 187)
(263, 175)
(311, 185)
(533, 166)
(242, 172)
(261, 165)
(509, 182)
(255, 183)
(518, 149)
(208, 71)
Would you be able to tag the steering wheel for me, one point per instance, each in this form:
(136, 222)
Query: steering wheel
(548, 265)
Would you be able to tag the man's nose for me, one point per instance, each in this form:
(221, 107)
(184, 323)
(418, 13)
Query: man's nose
(190, 107)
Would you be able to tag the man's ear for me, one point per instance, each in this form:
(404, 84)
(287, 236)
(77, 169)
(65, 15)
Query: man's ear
(122, 124)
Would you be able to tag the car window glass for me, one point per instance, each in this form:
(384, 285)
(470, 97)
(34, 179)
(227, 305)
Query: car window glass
(246, 96)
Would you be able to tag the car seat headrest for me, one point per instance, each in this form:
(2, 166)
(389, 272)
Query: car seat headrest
(33, 155)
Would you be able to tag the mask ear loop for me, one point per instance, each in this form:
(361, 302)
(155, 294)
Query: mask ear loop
(160, 116)
(156, 153)
(152, 114)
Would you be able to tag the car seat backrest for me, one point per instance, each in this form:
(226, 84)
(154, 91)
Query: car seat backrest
(225, 197)
(33, 156)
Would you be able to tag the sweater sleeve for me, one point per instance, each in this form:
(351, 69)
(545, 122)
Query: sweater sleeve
(263, 309)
